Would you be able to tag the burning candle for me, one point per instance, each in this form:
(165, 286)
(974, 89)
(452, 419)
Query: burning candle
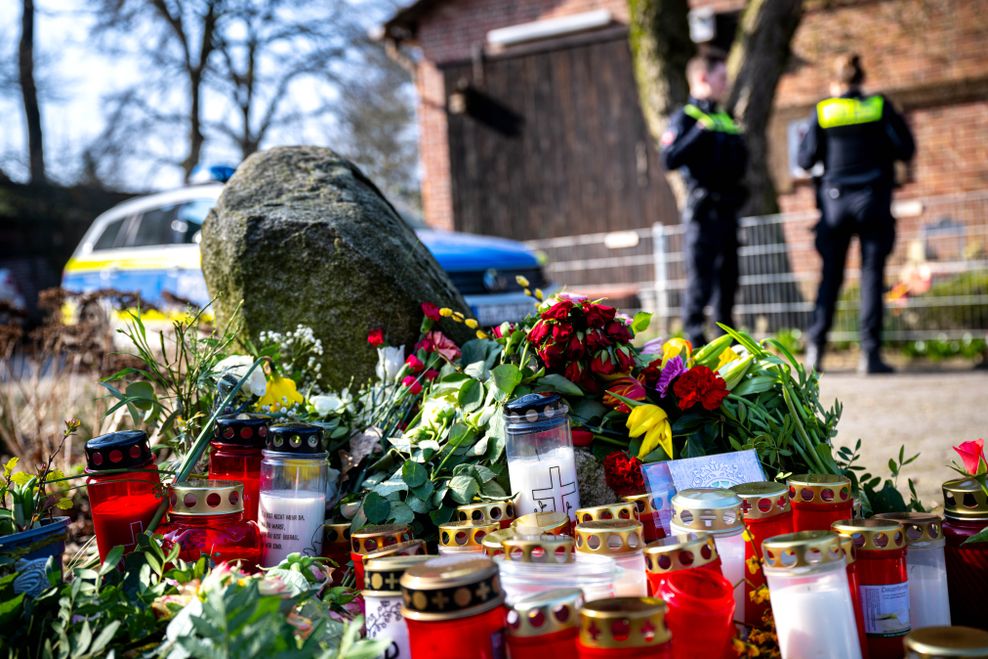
(853, 584)
(541, 464)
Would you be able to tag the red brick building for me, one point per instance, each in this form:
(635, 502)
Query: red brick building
(533, 136)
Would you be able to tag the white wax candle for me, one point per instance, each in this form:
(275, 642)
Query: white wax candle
(730, 548)
(290, 520)
(546, 483)
(595, 575)
(928, 602)
(384, 623)
(632, 582)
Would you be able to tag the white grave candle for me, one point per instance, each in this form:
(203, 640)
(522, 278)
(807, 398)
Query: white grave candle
(290, 521)
(545, 483)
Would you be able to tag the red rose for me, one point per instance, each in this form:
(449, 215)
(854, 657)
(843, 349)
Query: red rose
(603, 363)
(376, 337)
(598, 315)
(539, 332)
(431, 374)
(574, 372)
(553, 355)
(628, 387)
(561, 333)
(597, 340)
(414, 364)
(625, 358)
(581, 437)
(619, 332)
(650, 374)
(623, 474)
(699, 385)
(431, 311)
(559, 311)
(412, 383)
(575, 349)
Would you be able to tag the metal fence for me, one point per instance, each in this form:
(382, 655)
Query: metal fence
(936, 277)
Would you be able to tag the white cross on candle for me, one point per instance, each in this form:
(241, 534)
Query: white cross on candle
(545, 483)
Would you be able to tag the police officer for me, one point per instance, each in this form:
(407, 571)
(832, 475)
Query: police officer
(858, 138)
(705, 144)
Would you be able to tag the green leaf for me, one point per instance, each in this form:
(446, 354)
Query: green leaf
(401, 513)
(421, 506)
(112, 558)
(390, 486)
(463, 489)
(506, 378)
(9, 610)
(980, 536)
(471, 396)
(559, 384)
(413, 474)
(376, 508)
(424, 491)
(141, 394)
(641, 322)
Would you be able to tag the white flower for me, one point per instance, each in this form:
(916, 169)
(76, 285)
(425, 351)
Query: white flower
(327, 404)
(389, 362)
(236, 366)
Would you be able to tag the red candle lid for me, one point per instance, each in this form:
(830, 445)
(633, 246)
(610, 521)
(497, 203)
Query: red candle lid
(118, 450)
(763, 499)
(819, 488)
(242, 429)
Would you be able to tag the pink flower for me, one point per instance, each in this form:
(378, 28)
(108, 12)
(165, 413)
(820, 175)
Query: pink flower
(414, 364)
(442, 344)
(376, 337)
(973, 455)
(412, 383)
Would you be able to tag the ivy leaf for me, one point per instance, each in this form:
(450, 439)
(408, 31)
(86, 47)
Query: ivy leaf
(376, 508)
(413, 474)
(559, 384)
(463, 489)
(506, 378)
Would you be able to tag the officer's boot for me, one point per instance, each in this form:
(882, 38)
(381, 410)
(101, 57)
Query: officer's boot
(814, 358)
(871, 363)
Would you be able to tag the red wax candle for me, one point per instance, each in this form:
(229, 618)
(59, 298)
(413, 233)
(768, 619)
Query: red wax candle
(648, 507)
(692, 551)
(632, 627)
(819, 500)
(235, 455)
(767, 513)
(853, 583)
(372, 538)
(206, 517)
(545, 625)
(883, 583)
(965, 513)
(454, 608)
(700, 614)
(124, 503)
(336, 547)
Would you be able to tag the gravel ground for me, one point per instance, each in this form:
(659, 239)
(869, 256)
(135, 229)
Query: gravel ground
(927, 412)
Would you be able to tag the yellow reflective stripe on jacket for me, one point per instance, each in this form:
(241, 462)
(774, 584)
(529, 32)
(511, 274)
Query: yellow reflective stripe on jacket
(834, 112)
(718, 121)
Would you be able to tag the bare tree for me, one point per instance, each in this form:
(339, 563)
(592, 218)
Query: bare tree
(29, 93)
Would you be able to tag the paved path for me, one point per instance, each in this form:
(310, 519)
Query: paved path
(927, 412)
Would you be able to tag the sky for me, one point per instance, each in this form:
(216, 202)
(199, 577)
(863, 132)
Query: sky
(75, 79)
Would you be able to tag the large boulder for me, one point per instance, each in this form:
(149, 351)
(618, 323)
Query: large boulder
(301, 236)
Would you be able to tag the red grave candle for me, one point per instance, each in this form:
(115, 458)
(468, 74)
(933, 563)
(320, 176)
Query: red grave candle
(767, 513)
(648, 507)
(454, 607)
(692, 551)
(336, 547)
(235, 455)
(123, 503)
(853, 583)
(206, 517)
(965, 513)
(883, 583)
(619, 627)
(545, 625)
(372, 538)
(699, 613)
(819, 500)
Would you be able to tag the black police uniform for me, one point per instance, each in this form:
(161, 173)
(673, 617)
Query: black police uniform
(707, 147)
(858, 139)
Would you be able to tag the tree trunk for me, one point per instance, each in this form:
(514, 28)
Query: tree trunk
(196, 138)
(29, 94)
(659, 36)
(758, 59)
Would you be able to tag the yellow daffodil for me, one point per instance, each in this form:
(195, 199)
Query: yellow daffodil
(675, 347)
(726, 357)
(653, 422)
(281, 395)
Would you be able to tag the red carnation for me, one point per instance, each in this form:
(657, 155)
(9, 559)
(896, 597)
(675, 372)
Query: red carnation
(431, 311)
(376, 337)
(559, 311)
(623, 474)
(699, 385)
(414, 364)
(412, 383)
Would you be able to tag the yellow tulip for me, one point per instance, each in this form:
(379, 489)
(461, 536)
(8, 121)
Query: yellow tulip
(675, 347)
(653, 422)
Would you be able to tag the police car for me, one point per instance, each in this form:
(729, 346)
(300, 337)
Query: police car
(150, 245)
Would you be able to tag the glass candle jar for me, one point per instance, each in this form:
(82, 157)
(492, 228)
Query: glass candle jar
(542, 523)
(545, 625)
(632, 627)
(946, 643)
(648, 515)
(530, 565)
(965, 509)
(372, 538)
(122, 503)
(235, 454)
(929, 605)
(206, 517)
(452, 604)
(766, 512)
(853, 584)
(717, 512)
(292, 492)
(699, 614)
(807, 583)
(382, 602)
(493, 541)
(336, 547)
(622, 541)
(819, 500)
(884, 583)
(691, 551)
(464, 537)
(621, 511)
(541, 463)
(501, 513)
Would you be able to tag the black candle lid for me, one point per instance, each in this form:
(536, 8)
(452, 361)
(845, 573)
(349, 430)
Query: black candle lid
(242, 429)
(294, 438)
(118, 450)
(535, 408)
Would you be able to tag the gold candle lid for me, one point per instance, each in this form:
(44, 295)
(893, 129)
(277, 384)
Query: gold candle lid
(624, 622)
(465, 535)
(205, 497)
(819, 488)
(336, 534)
(493, 541)
(680, 552)
(709, 509)
(550, 549)
(918, 527)
(487, 512)
(539, 523)
(407, 548)
(947, 643)
(626, 510)
(377, 536)
(763, 499)
(382, 576)
(609, 537)
(546, 613)
(872, 534)
(802, 549)
(444, 590)
(647, 504)
(847, 546)
(963, 498)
